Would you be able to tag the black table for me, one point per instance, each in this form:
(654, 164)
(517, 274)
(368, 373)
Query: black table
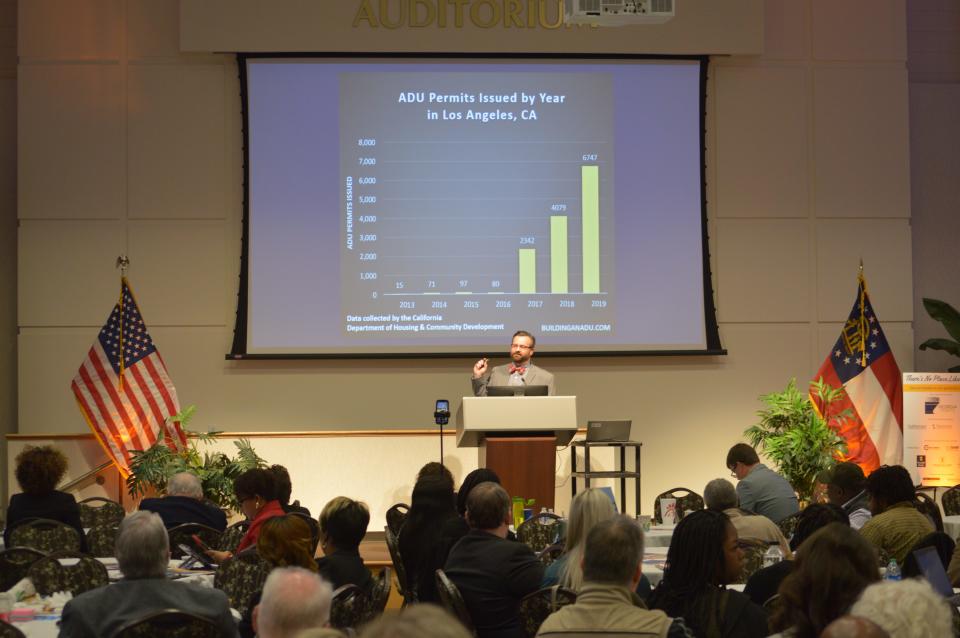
(621, 473)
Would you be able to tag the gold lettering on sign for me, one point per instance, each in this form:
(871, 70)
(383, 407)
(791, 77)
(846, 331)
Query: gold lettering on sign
(483, 14)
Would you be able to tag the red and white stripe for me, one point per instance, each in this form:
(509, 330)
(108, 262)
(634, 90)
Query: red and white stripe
(128, 416)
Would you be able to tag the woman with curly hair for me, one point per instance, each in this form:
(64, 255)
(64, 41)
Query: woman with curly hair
(703, 557)
(832, 568)
(38, 471)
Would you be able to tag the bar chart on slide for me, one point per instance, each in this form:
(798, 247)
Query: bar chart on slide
(490, 218)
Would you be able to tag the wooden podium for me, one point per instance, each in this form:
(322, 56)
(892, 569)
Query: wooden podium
(517, 438)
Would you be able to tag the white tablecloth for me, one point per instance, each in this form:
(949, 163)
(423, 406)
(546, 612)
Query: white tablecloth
(658, 536)
(951, 525)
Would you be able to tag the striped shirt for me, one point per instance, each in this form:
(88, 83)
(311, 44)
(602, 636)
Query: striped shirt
(897, 530)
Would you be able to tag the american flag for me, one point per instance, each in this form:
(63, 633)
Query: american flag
(861, 362)
(123, 389)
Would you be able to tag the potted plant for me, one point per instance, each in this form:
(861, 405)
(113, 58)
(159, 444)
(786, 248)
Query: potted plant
(154, 466)
(800, 438)
(950, 318)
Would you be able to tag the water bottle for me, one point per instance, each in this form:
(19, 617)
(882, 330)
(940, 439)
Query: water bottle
(773, 555)
(893, 570)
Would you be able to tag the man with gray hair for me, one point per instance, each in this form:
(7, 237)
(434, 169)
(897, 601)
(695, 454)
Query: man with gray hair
(184, 503)
(491, 572)
(721, 496)
(905, 609)
(294, 600)
(143, 552)
(607, 604)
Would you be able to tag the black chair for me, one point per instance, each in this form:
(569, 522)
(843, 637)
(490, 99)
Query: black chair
(927, 506)
(396, 515)
(687, 500)
(49, 575)
(551, 553)
(169, 623)
(9, 631)
(314, 526)
(102, 539)
(240, 578)
(232, 536)
(753, 551)
(536, 606)
(405, 588)
(540, 531)
(352, 606)
(939, 541)
(97, 510)
(45, 534)
(452, 601)
(14, 563)
(183, 534)
(951, 501)
(788, 525)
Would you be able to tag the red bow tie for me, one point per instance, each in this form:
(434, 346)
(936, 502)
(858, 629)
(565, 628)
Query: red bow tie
(520, 369)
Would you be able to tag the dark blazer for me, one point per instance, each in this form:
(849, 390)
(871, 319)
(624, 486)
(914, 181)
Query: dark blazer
(101, 612)
(493, 574)
(344, 567)
(177, 510)
(58, 506)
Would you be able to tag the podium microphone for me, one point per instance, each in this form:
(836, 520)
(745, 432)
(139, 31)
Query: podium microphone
(441, 416)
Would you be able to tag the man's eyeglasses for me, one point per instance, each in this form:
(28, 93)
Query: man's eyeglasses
(520, 346)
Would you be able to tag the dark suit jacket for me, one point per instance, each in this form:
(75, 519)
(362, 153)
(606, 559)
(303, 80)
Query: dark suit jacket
(102, 611)
(58, 506)
(493, 574)
(177, 510)
(344, 567)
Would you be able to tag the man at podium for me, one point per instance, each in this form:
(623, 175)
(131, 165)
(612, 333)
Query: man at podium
(519, 372)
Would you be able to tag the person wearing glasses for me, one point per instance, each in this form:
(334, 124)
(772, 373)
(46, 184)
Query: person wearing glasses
(760, 489)
(518, 372)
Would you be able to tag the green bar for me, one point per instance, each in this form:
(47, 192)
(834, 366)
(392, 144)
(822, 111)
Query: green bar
(590, 208)
(558, 254)
(528, 270)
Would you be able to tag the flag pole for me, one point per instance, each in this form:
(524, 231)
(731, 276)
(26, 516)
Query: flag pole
(123, 262)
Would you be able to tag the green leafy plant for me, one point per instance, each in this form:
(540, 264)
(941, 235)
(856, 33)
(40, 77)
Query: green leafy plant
(950, 318)
(154, 466)
(801, 438)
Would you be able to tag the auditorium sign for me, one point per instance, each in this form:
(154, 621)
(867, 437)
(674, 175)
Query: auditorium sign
(443, 14)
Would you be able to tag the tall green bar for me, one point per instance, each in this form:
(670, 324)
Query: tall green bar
(558, 254)
(528, 270)
(590, 209)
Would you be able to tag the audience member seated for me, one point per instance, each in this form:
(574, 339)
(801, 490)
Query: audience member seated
(433, 468)
(432, 527)
(704, 557)
(896, 525)
(588, 508)
(184, 503)
(256, 491)
(906, 609)
(143, 552)
(833, 567)
(764, 584)
(492, 573)
(761, 490)
(612, 558)
(284, 488)
(416, 621)
(38, 471)
(853, 627)
(294, 600)
(285, 541)
(470, 481)
(845, 487)
(720, 495)
(343, 524)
